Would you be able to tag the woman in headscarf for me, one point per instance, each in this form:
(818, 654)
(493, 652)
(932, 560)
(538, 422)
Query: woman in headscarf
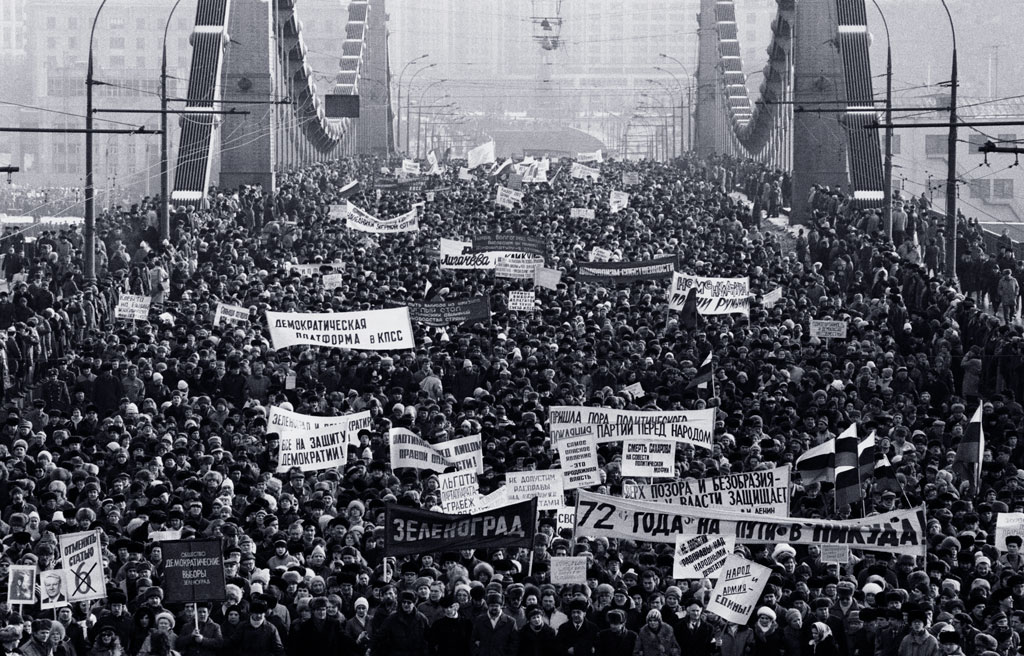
(823, 643)
(656, 638)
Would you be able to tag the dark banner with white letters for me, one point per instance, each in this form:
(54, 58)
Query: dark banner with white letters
(410, 531)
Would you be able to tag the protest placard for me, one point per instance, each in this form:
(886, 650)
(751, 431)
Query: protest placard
(1007, 524)
(81, 554)
(407, 449)
(565, 518)
(459, 492)
(543, 485)
(444, 313)
(658, 268)
(614, 517)
(701, 556)
(568, 569)
(828, 329)
(338, 210)
(760, 492)
(53, 588)
(520, 301)
(590, 157)
(771, 298)
(457, 254)
(577, 449)
(411, 531)
(316, 268)
(598, 254)
(193, 571)
(738, 589)
(647, 457)
(163, 536)
(371, 330)
(465, 453)
(714, 295)
(580, 171)
(835, 553)
(694, 427)
(465, 175)
(233, 314)
(547, 278)
(618, 200)
(636, 390)
(630, 178)
(317, 449)
(510, 243)
(581, 213)
(516, 268)
(21, 585)
(508, 198)
(333, 280)
(411, 167)
(134, 307)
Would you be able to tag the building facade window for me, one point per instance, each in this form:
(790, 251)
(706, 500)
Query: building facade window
(1002, 188)
(935, 145)
(980, 189)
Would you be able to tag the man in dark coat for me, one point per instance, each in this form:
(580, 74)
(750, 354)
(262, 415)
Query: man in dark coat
(256, 637)
(616, 639)
(696, 634)
(578, 636)
(404, 632)
(536, 638)
(449, 635)
(494, 634)
(319, 634)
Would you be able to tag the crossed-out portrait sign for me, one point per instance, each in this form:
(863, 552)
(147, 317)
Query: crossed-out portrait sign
(81, 556)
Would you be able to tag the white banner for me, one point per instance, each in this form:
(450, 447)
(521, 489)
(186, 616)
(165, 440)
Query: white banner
(647, 457)
(296, 429)
(544, 485)
(464, 453)
(828, 329)
(316, 268)
(578, 171)
(81, 554)
(520, 301)
(835, 553)
(465, 175)
(459, 491)
(363, 221)
(517, 268)
(547, 278)
(761, 492)
(320, 448)
(590, 157)
(694, 427)
(457, 254)
(411, 167)
(508, 197)
(230, 314)
(701, 556)
(578, 456)
(568, 569)
(408, 449)
(619, 200)
(714, 295)
(372, 330)
(581, 213)
(134, 307)
(630, 178)
(738, 589)
(338, 210)
(771, 298)
(614, 517)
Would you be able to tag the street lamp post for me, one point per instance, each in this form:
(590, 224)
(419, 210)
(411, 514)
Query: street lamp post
(684, 109)
(408, 97)
(951, 173)
(887, 183)
(165, 200)
(672, 107)
(422, 94)
(398, 115)
(90, 191)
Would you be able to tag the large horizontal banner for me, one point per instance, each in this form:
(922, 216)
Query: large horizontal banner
(457, 254)
(443, 313)
(579, 171)
(372, 330)
(510, 243)
(411, 531)
(658, 268)
(410, 450)
(363, 221)
(317, 268)
(763, 492)
(694, 427)
(600, 515)
(714, 295)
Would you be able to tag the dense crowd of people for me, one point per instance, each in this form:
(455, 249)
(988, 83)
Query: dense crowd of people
(161, 425)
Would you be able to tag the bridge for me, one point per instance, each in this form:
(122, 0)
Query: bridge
(253, 55)
(815, 99)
